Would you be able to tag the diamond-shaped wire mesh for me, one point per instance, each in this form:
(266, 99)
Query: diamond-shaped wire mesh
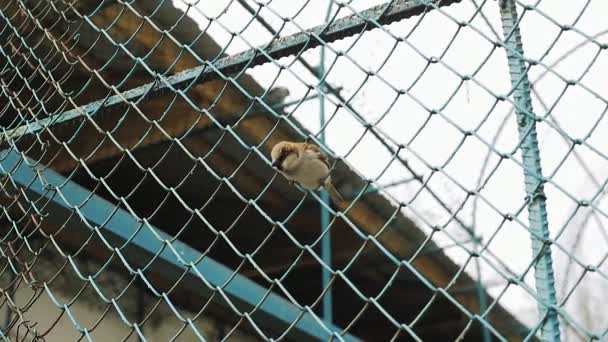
(139, 200)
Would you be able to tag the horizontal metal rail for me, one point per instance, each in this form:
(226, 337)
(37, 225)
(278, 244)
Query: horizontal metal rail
(117, 226)
(281, 47)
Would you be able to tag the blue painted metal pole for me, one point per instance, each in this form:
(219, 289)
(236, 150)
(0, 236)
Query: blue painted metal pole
(133, 239)
(481, 296)
(235, 64)
(537, 210)
(326, 240)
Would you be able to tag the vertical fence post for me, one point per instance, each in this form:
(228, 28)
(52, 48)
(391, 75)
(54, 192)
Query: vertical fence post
(537, 211)
(481, 295)
(326, 240)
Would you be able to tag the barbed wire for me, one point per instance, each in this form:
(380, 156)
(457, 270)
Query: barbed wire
(138, 193)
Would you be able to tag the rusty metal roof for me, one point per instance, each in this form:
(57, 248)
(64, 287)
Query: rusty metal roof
(136, 136)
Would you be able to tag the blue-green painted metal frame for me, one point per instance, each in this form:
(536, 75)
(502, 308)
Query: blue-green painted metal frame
(234, 64)
(326, 240)
(537, 210)
(133, 239)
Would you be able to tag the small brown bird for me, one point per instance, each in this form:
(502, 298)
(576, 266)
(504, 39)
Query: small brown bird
(305, 164)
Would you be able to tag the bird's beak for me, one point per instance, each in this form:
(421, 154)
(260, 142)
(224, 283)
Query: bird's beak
(275, 163)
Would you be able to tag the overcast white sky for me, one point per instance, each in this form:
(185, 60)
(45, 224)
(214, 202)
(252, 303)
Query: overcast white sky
(577, 110)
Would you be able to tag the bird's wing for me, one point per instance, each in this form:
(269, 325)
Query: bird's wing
(322, 156)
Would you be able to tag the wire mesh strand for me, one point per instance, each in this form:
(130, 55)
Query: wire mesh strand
(138, 200)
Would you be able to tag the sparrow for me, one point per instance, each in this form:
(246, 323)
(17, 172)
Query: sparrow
(305, 164)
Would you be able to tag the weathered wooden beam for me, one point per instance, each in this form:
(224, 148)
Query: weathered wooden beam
(193, 76)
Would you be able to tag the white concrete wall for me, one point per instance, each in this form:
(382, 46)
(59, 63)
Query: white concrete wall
(111, 328)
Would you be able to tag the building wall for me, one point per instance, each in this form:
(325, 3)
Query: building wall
(89, 311)
(111, 328)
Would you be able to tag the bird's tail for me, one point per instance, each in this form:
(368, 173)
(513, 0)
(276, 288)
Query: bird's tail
(333, 193)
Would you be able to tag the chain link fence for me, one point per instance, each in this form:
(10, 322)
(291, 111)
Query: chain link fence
(138, 200)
